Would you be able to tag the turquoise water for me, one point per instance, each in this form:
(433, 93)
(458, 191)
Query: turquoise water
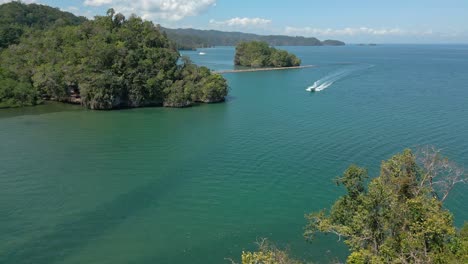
(199, 185)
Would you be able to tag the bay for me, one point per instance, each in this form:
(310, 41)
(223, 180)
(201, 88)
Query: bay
(198, 185)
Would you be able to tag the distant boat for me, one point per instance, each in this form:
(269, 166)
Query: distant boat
(202, 53)
(312, 89)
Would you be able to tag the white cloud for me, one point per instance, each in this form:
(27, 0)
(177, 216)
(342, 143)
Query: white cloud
(172, 10)
(79, 12)
(72, 9)
(97, 2)
(360, 31)
(242, 22)
(24, 1)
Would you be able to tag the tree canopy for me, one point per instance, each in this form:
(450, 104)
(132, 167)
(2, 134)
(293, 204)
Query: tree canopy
(14, 93)
(106, 63)
(397, 218)
(267, 253)
(260, 54)
(16, 18)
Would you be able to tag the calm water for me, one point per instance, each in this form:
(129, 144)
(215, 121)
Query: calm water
(199, 185)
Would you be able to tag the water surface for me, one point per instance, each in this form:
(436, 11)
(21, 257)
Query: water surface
(198, 185)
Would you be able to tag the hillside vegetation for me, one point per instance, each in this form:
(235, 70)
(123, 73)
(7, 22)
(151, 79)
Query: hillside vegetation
(17, 18)
(106, 63)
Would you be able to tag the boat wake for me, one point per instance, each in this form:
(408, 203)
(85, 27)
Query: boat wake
(337, 75)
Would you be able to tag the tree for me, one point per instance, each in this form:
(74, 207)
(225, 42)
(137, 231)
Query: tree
(267, 254)
(15, 93)
(214, 89)
(397, 218)
(439, 173)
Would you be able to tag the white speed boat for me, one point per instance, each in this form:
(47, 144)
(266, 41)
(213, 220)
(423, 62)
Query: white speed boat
(312, 89)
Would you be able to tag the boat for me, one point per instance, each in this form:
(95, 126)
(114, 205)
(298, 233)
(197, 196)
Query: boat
(312, 89)
(201, 53)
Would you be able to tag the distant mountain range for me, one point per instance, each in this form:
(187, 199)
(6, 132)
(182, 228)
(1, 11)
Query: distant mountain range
(194, 38)
(17, 18)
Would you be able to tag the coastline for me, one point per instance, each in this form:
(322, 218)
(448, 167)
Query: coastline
(264, 69)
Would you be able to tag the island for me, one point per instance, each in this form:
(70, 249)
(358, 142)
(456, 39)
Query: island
(110, 62)
(370, 44)
(332, 42)
(258, 54)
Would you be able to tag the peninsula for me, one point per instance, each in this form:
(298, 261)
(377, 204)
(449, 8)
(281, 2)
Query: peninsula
(109, 62)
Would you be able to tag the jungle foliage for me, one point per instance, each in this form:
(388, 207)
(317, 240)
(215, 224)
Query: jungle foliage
(105, 63)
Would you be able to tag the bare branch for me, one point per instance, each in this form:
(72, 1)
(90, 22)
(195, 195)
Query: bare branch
(438, 173)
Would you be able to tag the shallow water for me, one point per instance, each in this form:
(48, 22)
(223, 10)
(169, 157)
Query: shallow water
(198, 185)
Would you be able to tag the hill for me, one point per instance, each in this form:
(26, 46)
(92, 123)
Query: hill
(109, 62)
(16, 18)
(190, 38)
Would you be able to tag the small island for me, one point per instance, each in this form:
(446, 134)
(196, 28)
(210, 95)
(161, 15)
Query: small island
(370, 44)
(259, 54)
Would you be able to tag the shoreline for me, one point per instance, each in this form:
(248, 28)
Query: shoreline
(264, 69)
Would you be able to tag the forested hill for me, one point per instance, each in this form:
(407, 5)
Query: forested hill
(16, 18)
(194, 38)
(109, 62)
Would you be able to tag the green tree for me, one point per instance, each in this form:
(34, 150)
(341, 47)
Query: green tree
(14, 93)
(213, 89)
(397, 218)
(267, 253)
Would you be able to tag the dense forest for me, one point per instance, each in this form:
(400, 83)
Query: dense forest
(396, 217)
(106, 63)
(17, 18)
(193, 38)
(260, 54)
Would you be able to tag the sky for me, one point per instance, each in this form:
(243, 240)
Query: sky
(356, 21)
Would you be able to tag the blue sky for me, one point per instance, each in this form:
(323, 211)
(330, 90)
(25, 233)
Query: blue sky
(397, 21)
